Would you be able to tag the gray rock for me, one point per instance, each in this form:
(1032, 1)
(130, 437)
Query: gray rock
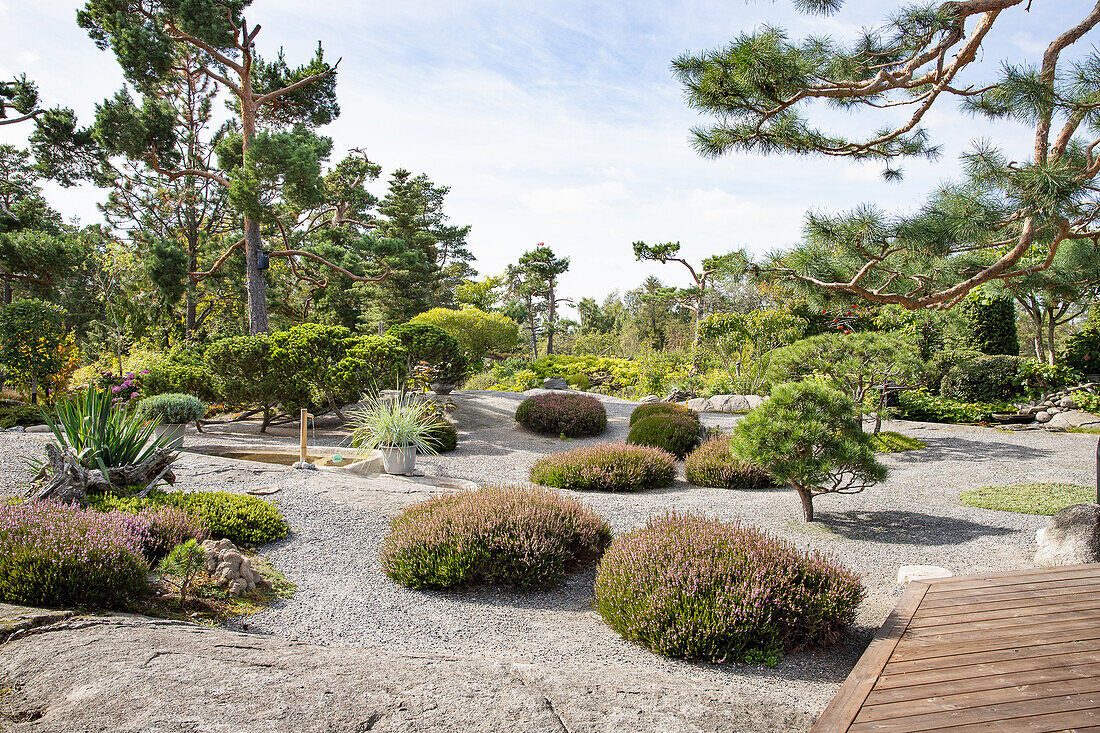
(650, 398)
(1071, 537)
(726, 403)
(555, 383)
(1067, 403)
(1043, 416)
(38, 429)
(676, 395)
(1054, 410)
(16, 429)
(132, 674)
(1073, 419)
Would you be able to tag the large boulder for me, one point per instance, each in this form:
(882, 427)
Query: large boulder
(1073, 419)
(726, 403)
(1071, 537)
(555, 383)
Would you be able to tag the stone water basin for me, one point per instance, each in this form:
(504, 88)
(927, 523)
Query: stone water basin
(371, 463)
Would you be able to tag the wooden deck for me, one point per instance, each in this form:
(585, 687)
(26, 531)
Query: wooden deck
(1015, 651)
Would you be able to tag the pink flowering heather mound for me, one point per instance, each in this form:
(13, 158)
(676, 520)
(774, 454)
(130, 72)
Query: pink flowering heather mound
(61, 555)
(714, 465)
(162, 528)
(606, 467)
(697, 588)
(641, 412)
(502, 536)
(563, 413)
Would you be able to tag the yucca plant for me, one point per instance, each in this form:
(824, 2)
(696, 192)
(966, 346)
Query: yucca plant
(102, 435)
(394, 422)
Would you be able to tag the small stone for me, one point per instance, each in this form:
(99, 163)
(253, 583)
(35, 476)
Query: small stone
(908, 573)
(1043, 416)
(650, 398)
(38, 429)
(16, 429)
(555, 383)
(676, 395)
(1067, 403)
(238, 586)
(1054, 410)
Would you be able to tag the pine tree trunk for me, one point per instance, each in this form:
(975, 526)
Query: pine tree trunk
(7, 292)
(807, 498)
(550, 321)
(254, 279)
(1050, 338)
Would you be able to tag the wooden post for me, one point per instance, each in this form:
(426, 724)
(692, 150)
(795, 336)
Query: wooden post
(305, 419)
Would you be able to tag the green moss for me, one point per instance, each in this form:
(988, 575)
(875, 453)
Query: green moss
(891, 442)
(1029, 498)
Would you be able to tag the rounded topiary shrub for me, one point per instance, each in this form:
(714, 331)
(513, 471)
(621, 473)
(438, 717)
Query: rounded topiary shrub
(698, 588)
(443, 437)
(502, 536)
(714, 465)
(61, 555)
(569, 415)
(606, 467)
(661, 408)
(675, 434)
(172, 408)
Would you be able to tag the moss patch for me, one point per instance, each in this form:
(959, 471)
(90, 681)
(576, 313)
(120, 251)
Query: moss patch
(1029, 498)
(891, 442)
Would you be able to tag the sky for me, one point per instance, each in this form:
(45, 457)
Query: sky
(556, 121)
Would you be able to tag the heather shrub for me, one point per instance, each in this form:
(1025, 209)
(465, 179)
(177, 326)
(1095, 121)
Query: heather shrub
(672, 433)
(247, 521)
(570, 415)
(714, 465)
(162, 528)
(501, 536)
(661, 408)
(697, 588)
(606, 467)
(62, 555)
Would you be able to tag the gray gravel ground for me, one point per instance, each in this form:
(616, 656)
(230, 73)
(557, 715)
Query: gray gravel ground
(344, 600)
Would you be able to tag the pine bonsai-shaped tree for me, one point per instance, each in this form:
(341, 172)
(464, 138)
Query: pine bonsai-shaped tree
(808, 436)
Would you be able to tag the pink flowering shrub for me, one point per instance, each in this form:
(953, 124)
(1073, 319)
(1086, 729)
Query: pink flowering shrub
(714, 465)
(161, 528)
(606, 467)
(123, 389)
(61, 555)
(698, 588)
(566, 414)
(501, 536)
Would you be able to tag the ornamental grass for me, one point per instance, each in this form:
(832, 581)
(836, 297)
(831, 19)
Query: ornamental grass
(564, 414)
(715, 466)
(697, 588)
(508, 536)
(606, 467)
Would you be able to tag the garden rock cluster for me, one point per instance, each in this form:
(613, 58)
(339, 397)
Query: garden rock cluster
(228, 566)
(726, 403)
(1046, 408)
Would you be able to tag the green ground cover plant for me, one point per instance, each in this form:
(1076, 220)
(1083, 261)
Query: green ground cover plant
(1033, 498)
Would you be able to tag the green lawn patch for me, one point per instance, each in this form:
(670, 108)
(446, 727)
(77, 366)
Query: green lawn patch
(1086, 430)
(890, 442)
(1029, 498)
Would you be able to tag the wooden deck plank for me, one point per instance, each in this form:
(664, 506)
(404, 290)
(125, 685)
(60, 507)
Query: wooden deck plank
(1014, 651)
(1083, 702)
(991, 678)
(962, 700)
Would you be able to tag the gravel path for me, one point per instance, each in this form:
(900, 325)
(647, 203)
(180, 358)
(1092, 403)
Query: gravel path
(912, 518)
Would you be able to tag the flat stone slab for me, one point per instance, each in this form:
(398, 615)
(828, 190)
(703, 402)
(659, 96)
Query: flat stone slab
(908, 573)
(15, 620)
(104, 673)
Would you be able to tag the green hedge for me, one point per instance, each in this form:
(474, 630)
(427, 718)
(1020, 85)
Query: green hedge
(674, 434)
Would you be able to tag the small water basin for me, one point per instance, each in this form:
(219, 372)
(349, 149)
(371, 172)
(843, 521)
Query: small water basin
(280, 458)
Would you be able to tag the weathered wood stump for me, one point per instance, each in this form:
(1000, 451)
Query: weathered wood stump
(67, 481)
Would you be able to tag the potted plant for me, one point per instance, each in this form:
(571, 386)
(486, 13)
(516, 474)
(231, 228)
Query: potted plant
(171, 412)
(398, 427)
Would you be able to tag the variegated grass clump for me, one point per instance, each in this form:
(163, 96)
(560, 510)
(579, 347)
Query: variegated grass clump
(509, 536)
(692, 587)
(606, 467)
(395, 422)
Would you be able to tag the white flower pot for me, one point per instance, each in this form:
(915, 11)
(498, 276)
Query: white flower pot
(173, 432)
(398, 460)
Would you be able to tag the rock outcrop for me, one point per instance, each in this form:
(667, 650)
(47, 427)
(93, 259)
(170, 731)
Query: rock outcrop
(726, 403)
(1071, 537)
(229, 567)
